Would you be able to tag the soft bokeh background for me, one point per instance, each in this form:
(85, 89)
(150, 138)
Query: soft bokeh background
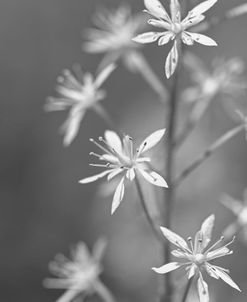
(43, 209)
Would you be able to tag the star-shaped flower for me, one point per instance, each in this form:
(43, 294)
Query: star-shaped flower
(239, 208)
(78, 93)
(196, 257)
(79, 275)
(225, 79)
(114, 33)
(121, 159)
(175, 28)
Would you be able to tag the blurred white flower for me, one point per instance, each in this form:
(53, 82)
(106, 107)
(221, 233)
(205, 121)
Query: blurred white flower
(80, 275)
(78, 93)
(121, 158)
(114, 33)
(175, 28)
(239, 209)
(195, 257)
(226, 79)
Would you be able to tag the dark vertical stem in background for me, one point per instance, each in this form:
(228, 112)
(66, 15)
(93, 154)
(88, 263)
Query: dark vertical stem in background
(187, 289)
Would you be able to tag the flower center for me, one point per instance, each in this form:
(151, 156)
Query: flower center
(177, 28)
(199, 259)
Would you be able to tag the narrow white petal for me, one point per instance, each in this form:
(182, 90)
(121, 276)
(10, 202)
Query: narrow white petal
(179, 254)
(202, 39)
(166, 268)
(71, 125)
(167, 36)
(69, 295)
(202, 7)
(206, 230)
(159, 23)
(94, 178)
(154, 178)
(109, 158)
(191, 21)
(232, 204)
(156, 9)
(202, 288)
(171, 61)
(99, 249)
(151, 141)
(192, 271)
(103, 75)
(113, 140)
(148, 37)
(226, 278)
(210, 271)
(174, 238)
(175, 11)
(118, 196)
(130, 174)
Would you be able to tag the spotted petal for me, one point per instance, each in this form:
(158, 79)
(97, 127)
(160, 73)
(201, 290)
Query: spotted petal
(202, 7)
(118, 196)
(166, 268)
(171, 61)
(94, 178)
(148, 37)
(174, 238)
(156, 9)
(202, 288)
(167, 36)
(154, 178)
(150, 141)
(175, 11)
(202, 39)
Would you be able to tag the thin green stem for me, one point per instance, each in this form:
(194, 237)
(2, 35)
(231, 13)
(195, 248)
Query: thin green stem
(145, 209)
(187, 289)
(206, 154)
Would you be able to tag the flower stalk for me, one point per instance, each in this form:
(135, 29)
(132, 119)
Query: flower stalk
(207, 153)
(187, 289)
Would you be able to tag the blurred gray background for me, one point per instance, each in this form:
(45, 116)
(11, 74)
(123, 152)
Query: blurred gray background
(43, 209)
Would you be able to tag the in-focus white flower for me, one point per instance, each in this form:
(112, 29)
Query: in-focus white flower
(239, 209)
(114, 33)
(80, 275)
(120, 158)
(225, 79)
(78, 93)
(195, 258)
(175, 28)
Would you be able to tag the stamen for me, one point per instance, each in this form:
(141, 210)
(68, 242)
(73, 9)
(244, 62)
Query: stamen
(95, 154)
(101, 139)
(99, 146)
(214, 245)
(143, 147)
(101, 166)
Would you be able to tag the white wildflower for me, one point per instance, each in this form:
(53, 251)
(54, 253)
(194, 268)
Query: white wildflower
(196, 257)
(80, 275)
(225, 79)
(175, 28)
(114, 33)
(78, 93)
(122, 159)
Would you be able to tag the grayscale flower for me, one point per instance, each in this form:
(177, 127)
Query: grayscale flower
(78, 92)
(113, 34)
(196, 257)
(225, 79)
(121, 159)
(175, 28)
(239, 209)
(80, 275)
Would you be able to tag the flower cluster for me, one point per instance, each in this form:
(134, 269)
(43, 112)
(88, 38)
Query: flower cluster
(175, 28)
(196, 257)
(79, 275)
(120, 158)
(79, 93)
